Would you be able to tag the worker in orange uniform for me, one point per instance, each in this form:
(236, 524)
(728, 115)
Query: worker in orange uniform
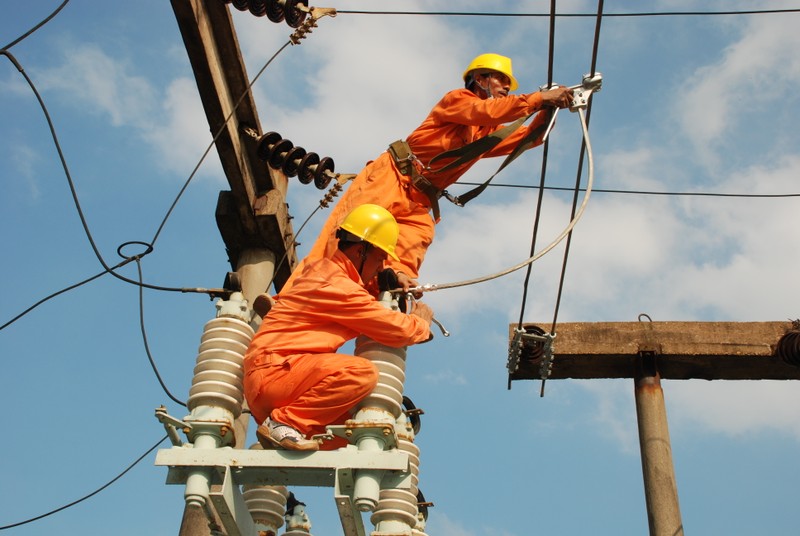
(295, 383)
(403, 180)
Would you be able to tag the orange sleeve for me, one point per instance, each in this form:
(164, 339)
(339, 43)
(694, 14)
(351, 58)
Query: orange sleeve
(465, 108)
(327, 306)
(362, 313)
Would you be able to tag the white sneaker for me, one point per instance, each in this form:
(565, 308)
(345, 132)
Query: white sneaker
(274, 434)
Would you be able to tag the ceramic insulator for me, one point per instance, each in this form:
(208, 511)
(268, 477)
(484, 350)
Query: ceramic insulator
(267, 506)
(391, 364)
(218, 370)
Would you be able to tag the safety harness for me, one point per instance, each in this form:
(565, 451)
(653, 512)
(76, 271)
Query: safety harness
(406, 161)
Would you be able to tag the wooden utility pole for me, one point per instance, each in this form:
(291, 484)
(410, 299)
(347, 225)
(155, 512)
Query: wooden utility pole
(252, 217)
(648, 351)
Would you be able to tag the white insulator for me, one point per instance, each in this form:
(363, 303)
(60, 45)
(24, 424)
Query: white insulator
(267, 506)
(224, 328)
(218, 372)
(396, 506)
(413, 461)
(391, 364)
(297, 532)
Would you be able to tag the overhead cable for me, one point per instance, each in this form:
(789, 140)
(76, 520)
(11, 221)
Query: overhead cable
(572, 15)
(545, 153)
(546, 369)
(92, 494)
(39, 25)
(641, 192)
(441, 286)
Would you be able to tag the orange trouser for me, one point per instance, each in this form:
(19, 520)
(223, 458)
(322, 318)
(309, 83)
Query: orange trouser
(310, 391)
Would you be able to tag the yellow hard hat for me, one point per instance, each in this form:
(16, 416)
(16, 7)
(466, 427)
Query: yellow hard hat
(373, 224)
(494, 62)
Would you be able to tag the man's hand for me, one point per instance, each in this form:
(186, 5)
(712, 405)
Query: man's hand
(407, 283)
(560, 97)
(423, 311)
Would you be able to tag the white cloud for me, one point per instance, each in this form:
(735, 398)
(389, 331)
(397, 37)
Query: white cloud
(102, 84)
(738, 409)
(25, 159)
(358, 95)
(613, 413)
(748, 244)
(748, 79)
(174, 124)
(182, 135)
(446, 377)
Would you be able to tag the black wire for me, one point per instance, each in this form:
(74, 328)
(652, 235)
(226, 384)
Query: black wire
(65, 167)
(552, 44)
(571, 15)
(562, 277)
(216, 136)
(42, 23)
(92, 494)
(146, 345)
(579, 172)
(543, 172)
(37, 304)
(637, 192)
(177, 198)
(110, 270)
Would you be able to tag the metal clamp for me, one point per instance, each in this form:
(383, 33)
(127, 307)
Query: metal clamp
(581, 93)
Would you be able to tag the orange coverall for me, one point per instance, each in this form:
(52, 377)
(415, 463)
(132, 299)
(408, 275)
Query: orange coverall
(292, 371)
(459, 118)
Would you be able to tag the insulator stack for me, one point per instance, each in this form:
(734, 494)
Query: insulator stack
(281, 154)
(789, 348)
(397, 511)
(422, 516)
(391, 362)
(292, 11)
(532, 349)
(267, 506)
(218, 372)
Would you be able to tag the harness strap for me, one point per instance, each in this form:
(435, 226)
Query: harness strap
(473, 150)
(404, 159)
(526, 143)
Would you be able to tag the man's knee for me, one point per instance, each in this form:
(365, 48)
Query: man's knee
(367, 375)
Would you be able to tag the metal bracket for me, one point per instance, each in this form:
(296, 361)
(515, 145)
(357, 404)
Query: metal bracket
(516, 346)
(581, 93)
(231, 508)
(171, 425)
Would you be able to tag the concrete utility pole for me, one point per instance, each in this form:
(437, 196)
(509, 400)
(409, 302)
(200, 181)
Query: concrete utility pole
(252, 217)
(648, 351)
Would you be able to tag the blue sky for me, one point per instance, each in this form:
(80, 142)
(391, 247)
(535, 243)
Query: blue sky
(689, 104)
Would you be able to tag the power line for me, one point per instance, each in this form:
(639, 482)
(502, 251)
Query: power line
(92, 494)
(572, 15)
(37, 26)
(641, 192)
